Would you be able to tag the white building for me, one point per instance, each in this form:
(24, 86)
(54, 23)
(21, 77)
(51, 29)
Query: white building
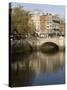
(56, 23)
(36, 20)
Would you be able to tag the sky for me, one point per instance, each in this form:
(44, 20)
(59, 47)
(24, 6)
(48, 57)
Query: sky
(54, 9)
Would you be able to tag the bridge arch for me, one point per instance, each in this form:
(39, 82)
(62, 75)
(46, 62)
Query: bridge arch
(39, 42)
(49, 47)
(50, 43)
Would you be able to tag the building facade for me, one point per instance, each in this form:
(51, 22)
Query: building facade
(36, 21)
(62, 26)
(48, 23)
(42, 23)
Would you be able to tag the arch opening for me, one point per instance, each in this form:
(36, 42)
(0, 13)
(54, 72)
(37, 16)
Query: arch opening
(49, 47)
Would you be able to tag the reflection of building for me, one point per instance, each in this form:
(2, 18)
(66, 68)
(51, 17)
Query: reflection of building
(39, 62)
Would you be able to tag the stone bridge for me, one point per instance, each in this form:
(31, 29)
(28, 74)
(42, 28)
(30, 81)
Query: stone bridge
(37, 41)
(59, 41)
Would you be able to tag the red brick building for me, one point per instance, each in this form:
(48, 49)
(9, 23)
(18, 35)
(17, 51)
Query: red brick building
(42, 23)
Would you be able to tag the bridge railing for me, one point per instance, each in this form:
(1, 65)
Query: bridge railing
(50, 35)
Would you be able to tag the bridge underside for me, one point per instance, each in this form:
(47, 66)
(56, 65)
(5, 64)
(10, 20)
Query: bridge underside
(49, 47)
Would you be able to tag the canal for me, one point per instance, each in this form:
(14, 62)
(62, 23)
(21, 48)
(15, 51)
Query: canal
(37, 68)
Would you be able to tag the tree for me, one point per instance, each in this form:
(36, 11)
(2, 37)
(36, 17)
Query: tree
(20, 21)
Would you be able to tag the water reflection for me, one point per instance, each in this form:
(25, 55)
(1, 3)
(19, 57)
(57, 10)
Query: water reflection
(37, 68)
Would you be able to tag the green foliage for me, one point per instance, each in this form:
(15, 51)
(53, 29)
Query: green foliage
(21, 21)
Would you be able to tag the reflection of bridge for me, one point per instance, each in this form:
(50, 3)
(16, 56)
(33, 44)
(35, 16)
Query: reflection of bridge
(39, 62)
(59, 41)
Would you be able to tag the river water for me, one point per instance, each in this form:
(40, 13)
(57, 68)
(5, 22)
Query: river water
(38, 68)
